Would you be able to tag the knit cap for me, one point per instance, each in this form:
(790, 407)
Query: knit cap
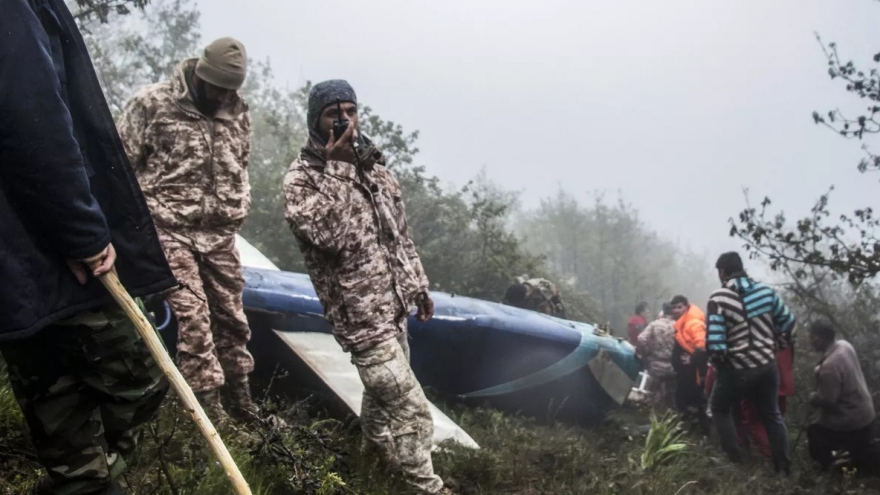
(223, 63)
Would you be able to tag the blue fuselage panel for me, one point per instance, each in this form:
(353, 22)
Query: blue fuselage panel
(471, 348)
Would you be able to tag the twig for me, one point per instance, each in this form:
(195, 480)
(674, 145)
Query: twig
(178, 383)
(163, 465)
(271, 382)
(689, 483)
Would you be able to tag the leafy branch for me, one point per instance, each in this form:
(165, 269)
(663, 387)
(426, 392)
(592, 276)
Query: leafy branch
(865, 85)
(816, 240)
(103, 9)
(845, 244)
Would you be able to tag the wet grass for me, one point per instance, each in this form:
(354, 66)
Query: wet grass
(322, 455)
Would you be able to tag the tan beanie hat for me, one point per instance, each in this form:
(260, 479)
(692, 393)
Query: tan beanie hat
(223, 63)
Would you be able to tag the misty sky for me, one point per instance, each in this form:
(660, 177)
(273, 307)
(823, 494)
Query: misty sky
(677, 104)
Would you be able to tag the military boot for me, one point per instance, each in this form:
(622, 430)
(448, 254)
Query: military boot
(241, 406)
(213, 407)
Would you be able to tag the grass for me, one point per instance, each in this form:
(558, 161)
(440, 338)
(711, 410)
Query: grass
(324, 456)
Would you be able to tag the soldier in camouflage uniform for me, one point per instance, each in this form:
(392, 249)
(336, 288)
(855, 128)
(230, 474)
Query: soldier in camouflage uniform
(536, 294)
(346, 212)
(69, 202)
(655, 345)
(188, 140)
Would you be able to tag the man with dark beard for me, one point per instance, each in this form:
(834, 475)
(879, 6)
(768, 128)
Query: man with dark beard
(346, 212)
(188, 139)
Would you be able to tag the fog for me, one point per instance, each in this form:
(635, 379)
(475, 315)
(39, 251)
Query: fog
(676, 105)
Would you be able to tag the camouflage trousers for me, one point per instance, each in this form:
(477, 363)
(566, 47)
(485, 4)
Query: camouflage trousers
(661, 392)
(212, 328)
(395, 414)
(84, 387)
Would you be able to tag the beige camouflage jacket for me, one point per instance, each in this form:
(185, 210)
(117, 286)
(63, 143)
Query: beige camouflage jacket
(655, 346)
(352, 230)
(192, 169)
(543, 297)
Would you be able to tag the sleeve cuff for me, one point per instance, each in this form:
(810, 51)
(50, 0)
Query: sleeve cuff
(89, 250)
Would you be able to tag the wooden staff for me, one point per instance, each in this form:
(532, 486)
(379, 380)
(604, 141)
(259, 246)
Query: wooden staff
(157, 349)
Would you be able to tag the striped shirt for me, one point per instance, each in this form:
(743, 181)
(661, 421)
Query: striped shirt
(746, 322)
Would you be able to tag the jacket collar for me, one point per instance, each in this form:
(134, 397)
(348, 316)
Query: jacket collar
(738, 282)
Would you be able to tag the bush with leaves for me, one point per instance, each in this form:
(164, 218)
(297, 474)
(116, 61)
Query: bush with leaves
(846, 244)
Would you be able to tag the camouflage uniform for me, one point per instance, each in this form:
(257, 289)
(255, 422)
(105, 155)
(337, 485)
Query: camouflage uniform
(193, 172)
(352, 230)
(84, 400)
(542, 296)
(351, 226)
(395, 414)
(655, 345)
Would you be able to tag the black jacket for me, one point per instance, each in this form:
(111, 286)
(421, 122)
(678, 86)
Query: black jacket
(66, 187)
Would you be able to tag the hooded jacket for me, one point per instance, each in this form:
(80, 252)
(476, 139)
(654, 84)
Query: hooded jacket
(351, 227)
(192, 168)
(66, 187)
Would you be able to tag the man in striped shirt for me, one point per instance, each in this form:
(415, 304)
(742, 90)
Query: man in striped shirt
(747, 322)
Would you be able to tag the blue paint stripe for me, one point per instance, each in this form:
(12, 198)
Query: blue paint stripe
(716, 338)
(717, 318)
(574, 361)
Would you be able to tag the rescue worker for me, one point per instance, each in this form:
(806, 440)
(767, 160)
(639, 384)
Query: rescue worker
(637, 322)
(748, 323)
(188, 139)
(749, 428)
(536, 294)
(69, 203)
(655, 345)
(347, 214)
(689, 361)
(844, 403)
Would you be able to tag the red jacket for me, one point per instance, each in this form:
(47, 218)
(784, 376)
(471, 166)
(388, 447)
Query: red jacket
(634, 327)
(785, 365)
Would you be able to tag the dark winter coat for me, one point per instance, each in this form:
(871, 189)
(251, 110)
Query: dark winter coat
(66, 187)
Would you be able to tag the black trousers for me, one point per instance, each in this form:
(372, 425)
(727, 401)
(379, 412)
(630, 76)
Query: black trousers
(861, 445)
(760, 386)
(690, 401)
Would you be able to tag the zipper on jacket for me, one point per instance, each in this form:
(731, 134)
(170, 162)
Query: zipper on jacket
(385, 253)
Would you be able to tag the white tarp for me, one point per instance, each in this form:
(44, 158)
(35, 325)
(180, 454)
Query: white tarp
(251, 256)
(322, 354)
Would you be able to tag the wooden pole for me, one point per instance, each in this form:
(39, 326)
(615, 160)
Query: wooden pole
(157, 349)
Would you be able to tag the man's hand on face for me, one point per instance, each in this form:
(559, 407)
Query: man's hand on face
(341, 149)
(97, 265)
(425, 306)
